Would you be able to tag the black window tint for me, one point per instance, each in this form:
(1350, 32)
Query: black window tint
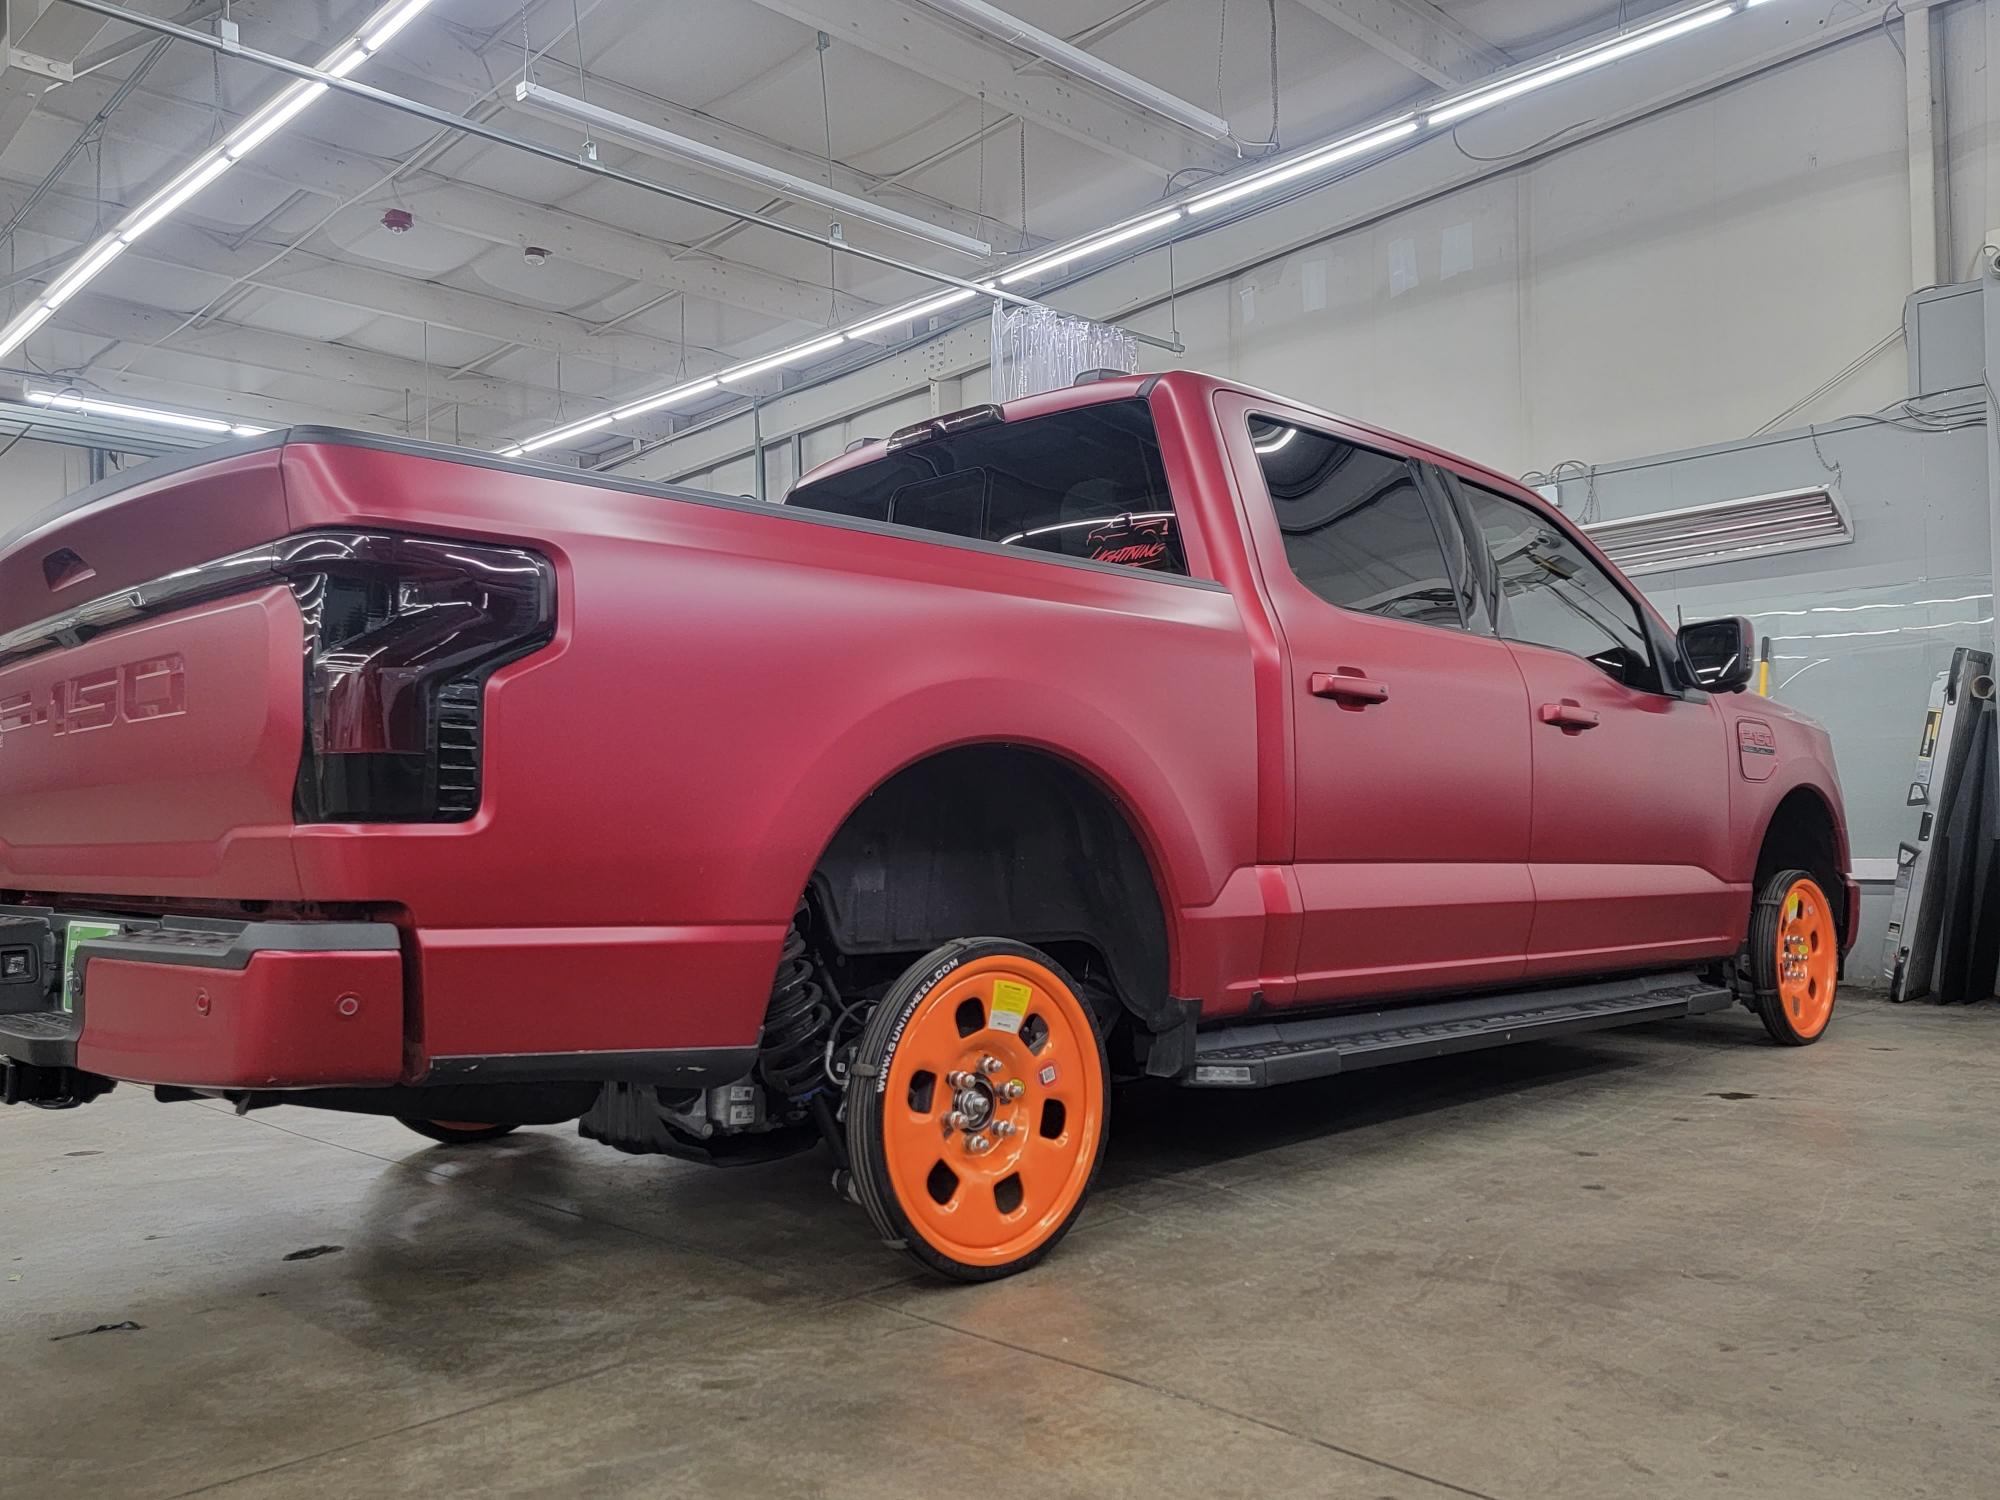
(1358, 532)
(1552, 594)
(1086, 483)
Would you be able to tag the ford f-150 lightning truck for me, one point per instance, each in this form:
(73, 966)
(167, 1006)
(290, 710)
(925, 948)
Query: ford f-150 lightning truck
(1156, 727)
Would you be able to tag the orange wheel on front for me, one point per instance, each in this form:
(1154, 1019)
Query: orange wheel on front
(977, 1114)
(1796, 949)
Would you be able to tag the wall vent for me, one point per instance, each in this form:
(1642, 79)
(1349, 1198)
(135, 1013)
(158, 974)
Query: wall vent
(1722, 531)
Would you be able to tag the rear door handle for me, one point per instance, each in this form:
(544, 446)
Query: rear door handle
(1348, 687)
(1569, 716)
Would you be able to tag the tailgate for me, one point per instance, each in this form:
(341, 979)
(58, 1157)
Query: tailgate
(151, 759)
(149, 745)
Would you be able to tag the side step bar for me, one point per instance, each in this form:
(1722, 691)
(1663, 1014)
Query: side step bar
(1260, 1055)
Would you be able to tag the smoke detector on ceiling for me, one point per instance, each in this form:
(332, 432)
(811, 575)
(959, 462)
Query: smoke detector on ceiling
(399, 221)
(535, 255)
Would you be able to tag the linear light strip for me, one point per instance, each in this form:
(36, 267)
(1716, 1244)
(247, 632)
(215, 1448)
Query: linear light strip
(1014, 32)
(657, 142)
(160, 416)
(279, 112)
(1571, 64)
(1352, 147)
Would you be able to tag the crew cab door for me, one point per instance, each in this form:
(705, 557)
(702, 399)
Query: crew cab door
(1631, 771)
(1409, 727)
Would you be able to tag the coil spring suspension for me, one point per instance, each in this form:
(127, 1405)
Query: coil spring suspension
(796, 1023)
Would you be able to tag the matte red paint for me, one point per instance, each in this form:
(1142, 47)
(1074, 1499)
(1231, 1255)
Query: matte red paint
(284, 1020)
(728, 681)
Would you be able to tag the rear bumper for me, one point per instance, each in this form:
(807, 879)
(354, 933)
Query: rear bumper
(264, 1006)
(222, 1005)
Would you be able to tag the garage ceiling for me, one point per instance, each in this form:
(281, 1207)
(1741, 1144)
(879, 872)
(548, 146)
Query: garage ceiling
(278, 294)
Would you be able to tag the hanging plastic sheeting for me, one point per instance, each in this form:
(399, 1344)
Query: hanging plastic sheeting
(1036, 348)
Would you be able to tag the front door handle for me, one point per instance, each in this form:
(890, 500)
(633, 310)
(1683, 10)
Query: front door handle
(1569, 716)
(1348, 687)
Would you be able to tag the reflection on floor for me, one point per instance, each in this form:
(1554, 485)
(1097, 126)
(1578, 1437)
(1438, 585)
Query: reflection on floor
(1675, 1261)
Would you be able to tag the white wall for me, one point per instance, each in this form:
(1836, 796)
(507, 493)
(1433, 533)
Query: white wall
(36, 475)
(1681, 280)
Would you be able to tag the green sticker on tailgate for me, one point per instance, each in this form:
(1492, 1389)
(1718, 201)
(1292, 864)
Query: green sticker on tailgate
(74, 937)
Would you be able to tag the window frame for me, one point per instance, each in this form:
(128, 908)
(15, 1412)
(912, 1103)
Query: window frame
(1665, 668)
(1439, 508)
(1196, 560)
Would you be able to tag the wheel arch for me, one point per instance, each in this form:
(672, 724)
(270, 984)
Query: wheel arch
(1803, 833)
(1008, 838)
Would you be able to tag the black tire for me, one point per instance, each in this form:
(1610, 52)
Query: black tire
(454, 1134)
(1794, 1016)
(1073, 1167)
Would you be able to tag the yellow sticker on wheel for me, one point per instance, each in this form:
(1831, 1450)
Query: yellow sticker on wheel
(1010, 1005)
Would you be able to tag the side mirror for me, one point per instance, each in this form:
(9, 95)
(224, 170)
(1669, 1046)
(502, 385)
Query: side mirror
(1722, 654)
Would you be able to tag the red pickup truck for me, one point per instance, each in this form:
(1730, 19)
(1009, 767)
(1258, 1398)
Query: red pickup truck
(1155, 728)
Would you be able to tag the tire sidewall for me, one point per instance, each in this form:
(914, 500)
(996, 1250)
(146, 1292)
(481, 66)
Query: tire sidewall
(1764, 958)
(874, 1060)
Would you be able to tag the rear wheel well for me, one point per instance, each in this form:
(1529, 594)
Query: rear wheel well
(1002, 841)
(1800, 836)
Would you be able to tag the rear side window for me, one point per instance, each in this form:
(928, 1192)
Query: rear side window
(1358, 532)
(1086, 483)
(1551, 593)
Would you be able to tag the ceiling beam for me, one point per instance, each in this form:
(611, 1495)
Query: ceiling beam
(928, 46)
(452, 65)
(295, 160)
(43, 37)
(1417, 35)
(184, 247)
(343, 365)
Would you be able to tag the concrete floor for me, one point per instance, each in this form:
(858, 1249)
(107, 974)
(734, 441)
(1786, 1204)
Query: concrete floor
(1677, 1261)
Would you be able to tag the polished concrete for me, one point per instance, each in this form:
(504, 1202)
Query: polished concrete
(1676, 1261)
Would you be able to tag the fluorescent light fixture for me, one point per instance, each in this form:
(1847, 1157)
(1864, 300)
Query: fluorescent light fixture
(1701, 536)
(272, 118)
(575, 429)
(259, 128)
(71, 401)
(177, 192)
(658, 142)
(71, 281)
(673, 397)
(910, 313)
(1575, 63)
(790, 356)
(991, 21)
(1119, 236)
(1313, 161)
(387, 25)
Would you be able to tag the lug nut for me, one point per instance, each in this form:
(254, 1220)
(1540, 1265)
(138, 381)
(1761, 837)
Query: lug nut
(956, 1120)
(1005, 1127)
(977, 1143)
(1014, 1089)
(989, 1065)
(961, 1080)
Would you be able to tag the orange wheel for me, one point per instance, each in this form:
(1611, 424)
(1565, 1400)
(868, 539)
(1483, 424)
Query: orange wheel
(459, 1132)
(977, 1114)
(1795, 947)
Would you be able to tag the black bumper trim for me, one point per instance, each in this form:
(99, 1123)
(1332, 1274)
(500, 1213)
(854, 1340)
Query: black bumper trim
(680, 1067)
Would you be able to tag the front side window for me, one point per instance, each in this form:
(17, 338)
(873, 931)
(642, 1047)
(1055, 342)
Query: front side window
(1551, 593)
(1086, 483)
(1358, 531)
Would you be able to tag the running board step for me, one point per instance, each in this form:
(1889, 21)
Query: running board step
(1258, 1056)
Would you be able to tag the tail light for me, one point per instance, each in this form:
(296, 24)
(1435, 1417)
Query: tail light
(401, 634)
